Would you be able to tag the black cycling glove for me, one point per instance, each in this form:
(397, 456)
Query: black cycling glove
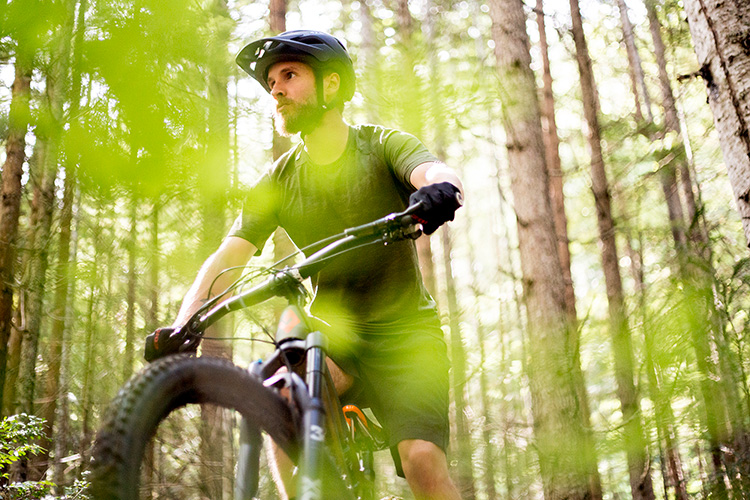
(439, 203)
(165, 341)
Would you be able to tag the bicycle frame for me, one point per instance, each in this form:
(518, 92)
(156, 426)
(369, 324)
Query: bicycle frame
(315, 397)
(319, 413)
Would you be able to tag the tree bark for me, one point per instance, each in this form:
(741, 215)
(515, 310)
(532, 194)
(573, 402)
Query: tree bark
(215, 184)
(555, 403)
(370, 83)
(557, 199)
(638, 81)
(63, 273)
(720, 32)
(131, 246)
(18, 121)
(696, 229)
(554, 166)
(635, 445)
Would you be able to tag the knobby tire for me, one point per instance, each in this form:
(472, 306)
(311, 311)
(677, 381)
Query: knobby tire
(163, 387)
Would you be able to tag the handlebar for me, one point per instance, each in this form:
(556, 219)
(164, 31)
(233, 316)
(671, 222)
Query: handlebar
(288, 281)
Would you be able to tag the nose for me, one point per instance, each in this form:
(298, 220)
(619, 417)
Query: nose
(276, 90)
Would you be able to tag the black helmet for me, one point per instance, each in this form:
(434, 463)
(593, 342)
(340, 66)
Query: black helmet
(320, 50)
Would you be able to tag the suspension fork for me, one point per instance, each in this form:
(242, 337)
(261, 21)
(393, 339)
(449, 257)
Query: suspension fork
(313, 420)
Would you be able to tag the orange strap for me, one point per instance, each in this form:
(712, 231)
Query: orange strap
(353, 409)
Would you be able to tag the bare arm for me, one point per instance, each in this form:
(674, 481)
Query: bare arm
(433, 172)
(232, 252)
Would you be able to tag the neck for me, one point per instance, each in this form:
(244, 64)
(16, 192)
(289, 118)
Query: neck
(327, 142)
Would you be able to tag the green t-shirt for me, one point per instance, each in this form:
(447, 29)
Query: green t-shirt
(370, 289)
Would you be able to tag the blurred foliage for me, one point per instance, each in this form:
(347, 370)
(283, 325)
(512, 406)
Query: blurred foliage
(137, 134)
(18, 438)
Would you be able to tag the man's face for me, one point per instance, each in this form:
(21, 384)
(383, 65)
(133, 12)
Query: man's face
(292, 85)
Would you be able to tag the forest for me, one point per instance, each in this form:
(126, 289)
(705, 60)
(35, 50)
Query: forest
(593, 290)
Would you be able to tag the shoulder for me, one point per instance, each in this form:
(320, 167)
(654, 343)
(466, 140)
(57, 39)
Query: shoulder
(285, 164)
(376, 134)
(381, 140)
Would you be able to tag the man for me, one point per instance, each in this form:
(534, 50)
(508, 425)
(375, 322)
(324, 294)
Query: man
(382, 325)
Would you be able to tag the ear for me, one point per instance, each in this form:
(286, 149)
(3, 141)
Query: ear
(331, 84)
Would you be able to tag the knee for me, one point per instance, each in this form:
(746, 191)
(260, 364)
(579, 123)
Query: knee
(424, 464)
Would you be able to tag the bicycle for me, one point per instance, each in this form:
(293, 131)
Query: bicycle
(332, 447)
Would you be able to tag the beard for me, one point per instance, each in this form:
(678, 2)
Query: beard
(296, 117)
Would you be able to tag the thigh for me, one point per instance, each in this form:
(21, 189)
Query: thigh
(406, 376)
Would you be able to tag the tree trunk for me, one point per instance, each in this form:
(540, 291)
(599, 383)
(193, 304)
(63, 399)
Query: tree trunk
(215, 186)
(458, 370)
(65, 317)
(152, 316)
(60, 318)
(555, 405)
(637, 79)
(488, 447)
(411, 109)
(720, 32)
(63, 274)
(554, 167)
(131, 246)
(18, 120)
(557, 199)
(370, 77)
(282, 245)
(39, 243)
(635, 445)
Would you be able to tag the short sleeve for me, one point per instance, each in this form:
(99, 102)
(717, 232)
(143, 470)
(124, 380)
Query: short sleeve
(404, 153)
(258, 218)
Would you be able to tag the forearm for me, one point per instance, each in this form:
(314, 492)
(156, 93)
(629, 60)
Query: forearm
(433, 173)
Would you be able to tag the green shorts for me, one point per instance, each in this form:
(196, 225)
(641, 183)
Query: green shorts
(403, 378)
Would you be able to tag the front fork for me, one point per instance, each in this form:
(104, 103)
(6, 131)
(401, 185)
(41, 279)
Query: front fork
(313, 421)
(312, 403)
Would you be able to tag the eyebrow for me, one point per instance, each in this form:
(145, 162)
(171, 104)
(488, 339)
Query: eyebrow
(284, 69)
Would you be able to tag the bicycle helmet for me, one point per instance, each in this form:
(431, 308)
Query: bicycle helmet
(321, 51)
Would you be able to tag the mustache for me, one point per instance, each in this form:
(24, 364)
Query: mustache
(283, 101)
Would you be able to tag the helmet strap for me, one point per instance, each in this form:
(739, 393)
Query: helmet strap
(319, 84)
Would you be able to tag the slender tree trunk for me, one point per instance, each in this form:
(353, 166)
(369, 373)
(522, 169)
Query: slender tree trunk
(696, 228)
(458, 362)
(635, 445)
(152, 316)
(131, 246)
(282, 245)
(95, 292)
(43, 180)
(555, 404)
(411, 107)
(638, 81)
(488, 448)
(554, 166)
(215, 186)
(720, 32)
(557, 199)
(39, 243)
(65, 316)
(63, 274)
(18, 120)
(59, 314)
(370, 78)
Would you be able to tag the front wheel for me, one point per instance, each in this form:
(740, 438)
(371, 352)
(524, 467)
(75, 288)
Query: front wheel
(146, 442)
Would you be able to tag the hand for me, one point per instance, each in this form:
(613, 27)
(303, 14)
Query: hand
(439, 203)
(165, 341)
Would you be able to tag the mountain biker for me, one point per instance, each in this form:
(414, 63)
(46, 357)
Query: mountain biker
(382, 325)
